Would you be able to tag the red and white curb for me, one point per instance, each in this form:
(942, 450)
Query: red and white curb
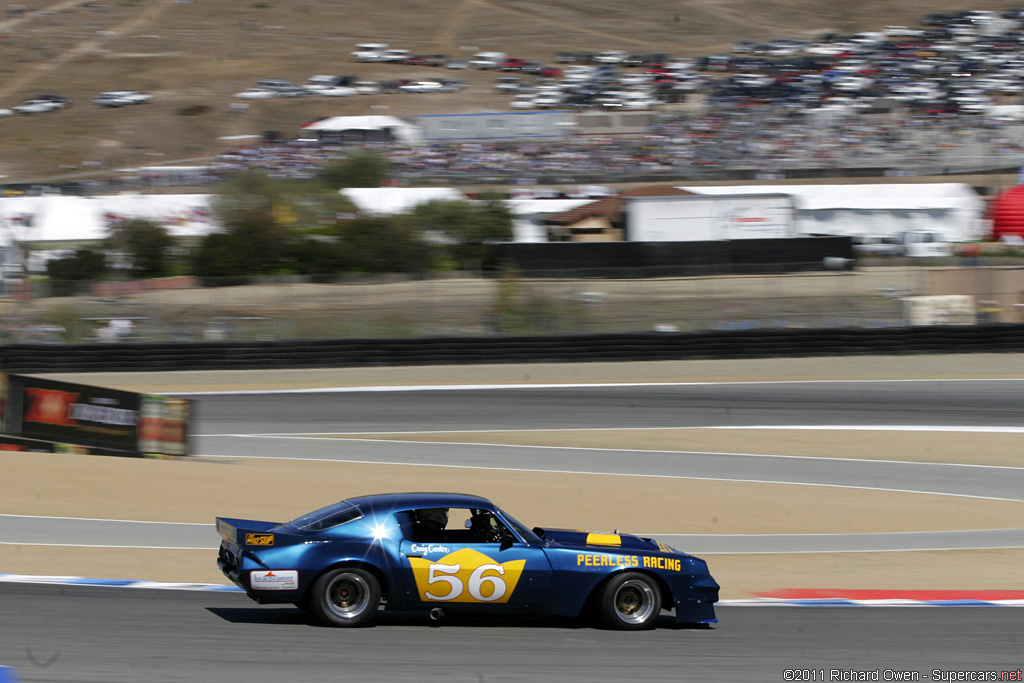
(814, 597)
(821, 597)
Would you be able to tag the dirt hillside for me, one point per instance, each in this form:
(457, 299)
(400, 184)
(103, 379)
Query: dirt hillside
(193, 55)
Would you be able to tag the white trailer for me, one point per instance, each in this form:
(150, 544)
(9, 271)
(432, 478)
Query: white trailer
(697, 218)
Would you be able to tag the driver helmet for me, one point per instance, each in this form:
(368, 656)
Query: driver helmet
(436, 517)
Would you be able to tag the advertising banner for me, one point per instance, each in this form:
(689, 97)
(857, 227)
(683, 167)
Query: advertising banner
(950, 309)
(94, 419)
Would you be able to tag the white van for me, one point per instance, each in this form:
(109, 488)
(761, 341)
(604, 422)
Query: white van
(487, 60)
(925, 243)
(368, 52)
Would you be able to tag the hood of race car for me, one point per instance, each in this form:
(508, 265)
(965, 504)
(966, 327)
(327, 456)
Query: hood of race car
(598, 541)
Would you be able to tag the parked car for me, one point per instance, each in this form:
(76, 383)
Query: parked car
(452, 84)
(37, 106)
(275, 84)
(256, 94)
(487, 60)
(323, 81)
(336, 91)
(121, 98)
(610, 57)
(507, 84)
(421, 86)
(368, 52)
(366, 87)
(395, 56)
(523, 101)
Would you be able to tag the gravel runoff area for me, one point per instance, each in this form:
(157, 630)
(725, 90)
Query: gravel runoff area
(962, 366)
(194, 491)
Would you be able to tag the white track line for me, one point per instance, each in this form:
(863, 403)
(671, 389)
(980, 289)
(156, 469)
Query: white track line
(104, 519)
(600, 385)
(576, 448)
(603, 474)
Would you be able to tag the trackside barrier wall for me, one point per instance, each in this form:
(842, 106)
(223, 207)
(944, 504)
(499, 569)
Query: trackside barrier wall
(50, 416)
(764, 343)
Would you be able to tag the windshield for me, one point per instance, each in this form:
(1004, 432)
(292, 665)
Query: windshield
(327, 517)
(520, 528)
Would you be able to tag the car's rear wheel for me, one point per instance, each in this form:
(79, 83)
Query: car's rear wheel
(630, 602)
(345, 597)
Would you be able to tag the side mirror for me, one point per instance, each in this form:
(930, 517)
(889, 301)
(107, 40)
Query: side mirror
(506, 542)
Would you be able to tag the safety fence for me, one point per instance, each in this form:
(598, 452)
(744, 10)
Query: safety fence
(647, 346)
(561, 303)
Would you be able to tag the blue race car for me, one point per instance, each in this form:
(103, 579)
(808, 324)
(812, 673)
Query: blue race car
(443, 552)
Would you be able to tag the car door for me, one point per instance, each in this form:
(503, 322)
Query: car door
(460, 573)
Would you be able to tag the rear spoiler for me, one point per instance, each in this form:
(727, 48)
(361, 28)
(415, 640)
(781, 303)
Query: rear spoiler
(251, 534)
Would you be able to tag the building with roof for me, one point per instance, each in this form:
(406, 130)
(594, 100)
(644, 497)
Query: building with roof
(877, 210)
(362, 129)
(601, 220)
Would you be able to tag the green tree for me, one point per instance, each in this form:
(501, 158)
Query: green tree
(468, 230)
(269, 225)
(84, 264)
(362, 168)
(143, 246)
(383, 244)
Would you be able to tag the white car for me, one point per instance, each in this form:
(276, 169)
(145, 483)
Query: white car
(335, 91)
(421, 86)
(395, 56)
(524, 101)
(369, 52)
(5, 113)
(611, 57)
(548, 99)
(257, 94)
(38, 106)
(366, 87)
(121, 98)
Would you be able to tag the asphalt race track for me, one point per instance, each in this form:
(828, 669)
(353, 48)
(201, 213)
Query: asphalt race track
(111, 635)
(72, 633)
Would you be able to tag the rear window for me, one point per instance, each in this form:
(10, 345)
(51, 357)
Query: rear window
(325, 518)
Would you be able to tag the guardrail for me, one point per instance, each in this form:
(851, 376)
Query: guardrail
(764, 343)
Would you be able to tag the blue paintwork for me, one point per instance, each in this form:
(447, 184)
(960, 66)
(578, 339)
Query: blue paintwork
(551, 571)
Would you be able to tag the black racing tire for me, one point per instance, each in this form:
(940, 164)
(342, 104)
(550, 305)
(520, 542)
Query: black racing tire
(630, 601)
(345, 597)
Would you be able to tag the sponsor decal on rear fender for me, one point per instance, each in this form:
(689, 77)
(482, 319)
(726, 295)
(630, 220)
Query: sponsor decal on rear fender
(259, 539)
(274, 580)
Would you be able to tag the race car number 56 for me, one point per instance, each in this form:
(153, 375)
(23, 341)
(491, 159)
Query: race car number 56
(441, 573)
(466, 575)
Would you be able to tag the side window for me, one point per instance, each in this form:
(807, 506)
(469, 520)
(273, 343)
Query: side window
(452, 525)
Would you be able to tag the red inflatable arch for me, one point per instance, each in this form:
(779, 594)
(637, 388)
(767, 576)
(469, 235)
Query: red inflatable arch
(1008, 213)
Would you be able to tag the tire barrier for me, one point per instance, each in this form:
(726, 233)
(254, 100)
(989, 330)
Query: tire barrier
(763, 343)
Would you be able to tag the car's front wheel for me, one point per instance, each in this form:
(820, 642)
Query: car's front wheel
(630, 601)
(345, 597)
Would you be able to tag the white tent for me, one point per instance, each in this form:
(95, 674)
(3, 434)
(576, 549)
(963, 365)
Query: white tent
(388, 201)
(390, 125)
(51, 221)
(52, 225)
(878, 210)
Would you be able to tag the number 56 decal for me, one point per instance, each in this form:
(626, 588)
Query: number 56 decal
(466, 576)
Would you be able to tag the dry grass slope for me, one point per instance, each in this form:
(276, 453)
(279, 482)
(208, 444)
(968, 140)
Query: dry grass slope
(194, 54)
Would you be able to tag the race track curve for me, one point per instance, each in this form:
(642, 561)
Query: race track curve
(63, 633)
